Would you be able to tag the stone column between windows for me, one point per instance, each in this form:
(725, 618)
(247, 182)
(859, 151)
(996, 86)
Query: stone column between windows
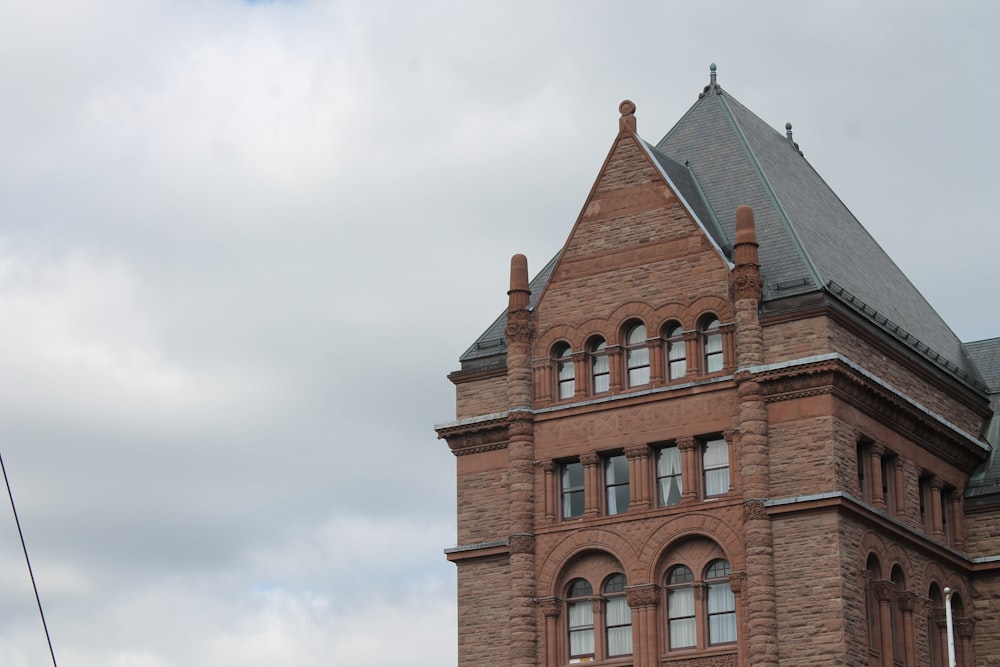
(965, 628)
(657, 367)
(643, 599)
(544, 380)
(592, 485)
(737, 580)
(728, 345)
(907, 601)
(690, 478)
(884, 592)
(549, 468)
(616, 371)
(692, 353)
(600, 633)
(937, 526)
(638, 476)
(698, 589)
(875, 453)
(899, 488)
(551, 609)
(957, 524)
(581, 374)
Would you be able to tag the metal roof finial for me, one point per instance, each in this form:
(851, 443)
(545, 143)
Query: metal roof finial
(788, 131)
(711, 69)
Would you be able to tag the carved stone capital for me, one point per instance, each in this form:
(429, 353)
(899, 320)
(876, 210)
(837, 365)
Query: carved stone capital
(936, 483)
(965, 627)
(521, 543)
(548, 466)
(699, 590)
(551, 606)
(884, 590)
(686, 444)
(643, 595)
(754, 510)
(737, 582)
(940, 618)
(747, 283)
(519, 327)
(875, 449)
(907, 600)
(589, 459)
(637, 451)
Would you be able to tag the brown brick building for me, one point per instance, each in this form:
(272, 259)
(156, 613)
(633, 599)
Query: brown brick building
(721, 428)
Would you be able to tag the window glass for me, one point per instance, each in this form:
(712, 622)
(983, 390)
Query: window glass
(618, 617)
(572, 489)
(668, 476)
(712, 341)
(676, 352)
(600, 368)
(721, 604)
(637, 356)
(565, 372)
(580, 614)
(681, 625)
(715, 461)
(616, 483)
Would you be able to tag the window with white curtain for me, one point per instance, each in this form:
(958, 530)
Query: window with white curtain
(715, 464)
(721, 603)
(617, 617)
(616, 484)
(580, 615)
(711, 340)
(668, 475)
(682, 628)
(676, 351)
(565, 371)
(637, 355)
(600, 368)
(572, 489)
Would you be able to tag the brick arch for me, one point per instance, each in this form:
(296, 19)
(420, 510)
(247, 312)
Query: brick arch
(873, 544)
(692, 524)
(573, 545)
(934, 573)
(721, 307)
(594, 327)
(897, 556)
(634, 310)
(548, 338)
(667, 313)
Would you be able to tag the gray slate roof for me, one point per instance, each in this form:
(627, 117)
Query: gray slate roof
(985, 354)
(720, 155)
(986, 481)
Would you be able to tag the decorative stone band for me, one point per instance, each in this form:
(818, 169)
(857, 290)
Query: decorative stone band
(520, 329)
(642, 595)
(726, 660)
(551, 606)
(521, 543)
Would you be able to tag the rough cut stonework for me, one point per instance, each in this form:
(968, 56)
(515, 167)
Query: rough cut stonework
(673, 460)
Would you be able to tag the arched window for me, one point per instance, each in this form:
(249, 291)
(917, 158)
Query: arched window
(637, 355)
(721, 603)
(565, 371)
(676, 351)
(600, 369)
(682, 627)
(617, 617)
(711, 344)
(580, 615)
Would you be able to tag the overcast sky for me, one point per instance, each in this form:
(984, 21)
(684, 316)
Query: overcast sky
(243, 243)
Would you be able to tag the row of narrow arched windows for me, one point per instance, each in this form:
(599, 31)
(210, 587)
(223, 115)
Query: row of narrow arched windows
(890, 612)
(708, 342)
(599, 627)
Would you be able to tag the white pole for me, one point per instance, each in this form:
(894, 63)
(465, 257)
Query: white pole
(951, 632)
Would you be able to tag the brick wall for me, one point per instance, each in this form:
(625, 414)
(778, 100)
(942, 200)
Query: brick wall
(481, 397)
(482, 497)
(484, 611)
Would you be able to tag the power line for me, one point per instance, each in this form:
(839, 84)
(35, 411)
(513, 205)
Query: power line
(28, 561)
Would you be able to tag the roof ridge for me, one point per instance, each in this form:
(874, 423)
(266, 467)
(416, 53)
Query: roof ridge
(813, 270)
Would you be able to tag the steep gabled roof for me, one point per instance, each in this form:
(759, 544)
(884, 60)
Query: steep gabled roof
(719, 156)
(809, 240)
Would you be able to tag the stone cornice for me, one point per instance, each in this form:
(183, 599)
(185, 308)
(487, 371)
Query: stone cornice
(475, 436)
(834, 375)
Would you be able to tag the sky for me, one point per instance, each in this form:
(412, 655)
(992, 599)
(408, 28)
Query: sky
(243, 243)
